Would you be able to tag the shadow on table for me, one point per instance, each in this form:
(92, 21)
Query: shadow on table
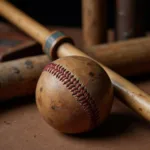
(16, 103)
(119, 122)
(116, 125)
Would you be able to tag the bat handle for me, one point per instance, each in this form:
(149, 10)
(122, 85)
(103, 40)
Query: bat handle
(53, 41)
(23, 22)
(49, 39)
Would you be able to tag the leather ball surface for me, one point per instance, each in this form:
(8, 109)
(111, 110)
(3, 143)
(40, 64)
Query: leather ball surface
(74, 94)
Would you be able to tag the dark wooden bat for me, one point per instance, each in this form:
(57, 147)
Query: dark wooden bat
(94, 22)
(125, 19)
(19, 77)
(124, 52)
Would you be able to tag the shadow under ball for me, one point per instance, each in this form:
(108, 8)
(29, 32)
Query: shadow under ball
(74, 94)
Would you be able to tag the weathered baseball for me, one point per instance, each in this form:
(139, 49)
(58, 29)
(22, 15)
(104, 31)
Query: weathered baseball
(74, 94)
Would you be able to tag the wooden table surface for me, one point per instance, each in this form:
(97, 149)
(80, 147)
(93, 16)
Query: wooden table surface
(22, 127)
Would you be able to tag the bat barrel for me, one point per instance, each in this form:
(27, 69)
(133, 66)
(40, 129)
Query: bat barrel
(94, 22)
(120, 55)
(19, 77)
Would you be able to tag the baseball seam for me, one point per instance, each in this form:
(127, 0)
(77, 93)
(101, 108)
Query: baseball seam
(77, 89)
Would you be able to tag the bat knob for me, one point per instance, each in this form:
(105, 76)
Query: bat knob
(74, 94)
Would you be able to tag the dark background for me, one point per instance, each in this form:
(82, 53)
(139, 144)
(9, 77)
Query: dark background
(69, 12)
(58, 12)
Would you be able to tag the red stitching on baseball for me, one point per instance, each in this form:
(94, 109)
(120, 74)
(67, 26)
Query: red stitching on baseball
(77, 89)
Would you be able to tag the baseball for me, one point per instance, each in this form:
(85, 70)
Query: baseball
(74, 94)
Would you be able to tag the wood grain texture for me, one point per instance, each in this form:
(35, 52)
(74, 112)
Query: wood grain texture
(125, 19)
(131, 95)
(35, 29)
(118, 56)
(19, 77)
(128, 58)
(94, 22)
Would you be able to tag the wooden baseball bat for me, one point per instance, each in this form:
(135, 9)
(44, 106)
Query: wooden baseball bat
(125, 19)
(94, 22)
(56, 44)
(122, 54)
(118, 55)
(19, 77)
(134, 53)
